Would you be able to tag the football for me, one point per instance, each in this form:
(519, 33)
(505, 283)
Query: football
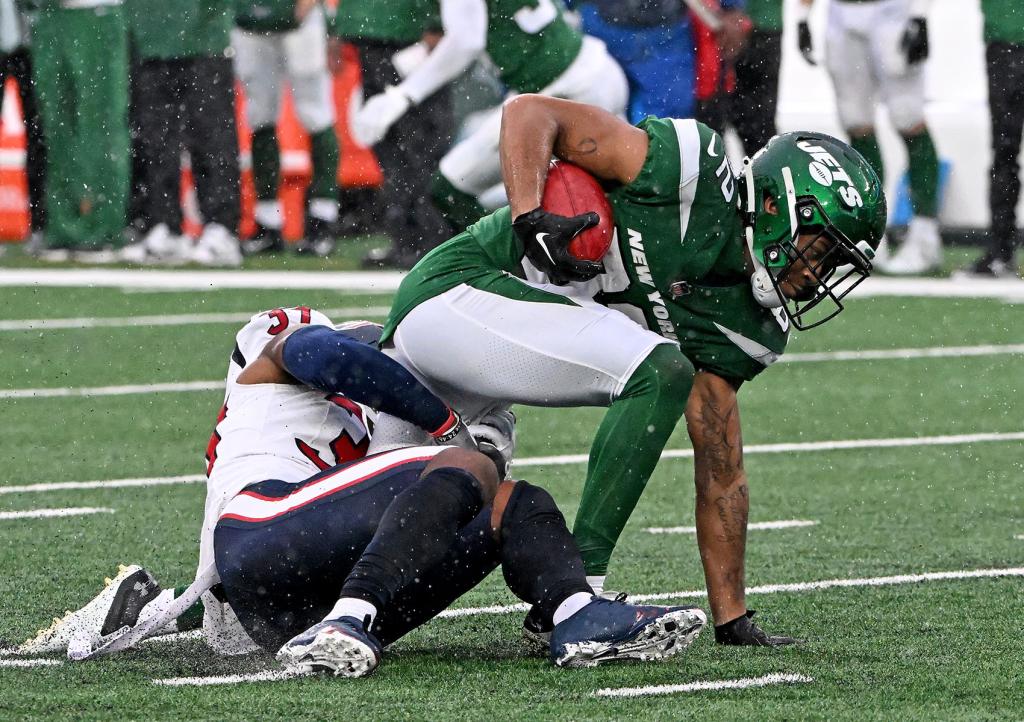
(569, 191)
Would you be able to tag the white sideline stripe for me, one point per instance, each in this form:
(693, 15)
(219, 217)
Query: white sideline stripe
(25, 663)
(270, 675)
(181, 319)
(382, 281)
(1010, 289)
(805, 446)
(172, 387)
(59, 392)
(906, 353)
(575, 459)
(782, 524)
(776, 588)
(376, 281)
(747, 683)
(44, 513)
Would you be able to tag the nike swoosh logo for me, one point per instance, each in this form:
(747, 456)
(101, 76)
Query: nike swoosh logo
(544, 246)
(762, 354)
(711, 146)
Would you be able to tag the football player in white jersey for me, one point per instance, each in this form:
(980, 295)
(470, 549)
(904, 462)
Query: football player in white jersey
(876, 50)
(326, 563)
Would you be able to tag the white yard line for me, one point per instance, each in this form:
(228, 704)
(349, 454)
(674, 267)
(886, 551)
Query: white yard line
(46, 513)
(1019, 537)
(105, 484)
(708, 686)
(269, 675)
(576, 459)
(26, 663)
(181, 319)
(1008, 289)
(805, 446)
(753, 526)
(61, 392)
(185, 386)
(777, 588)
(906, 353)
(376, 281)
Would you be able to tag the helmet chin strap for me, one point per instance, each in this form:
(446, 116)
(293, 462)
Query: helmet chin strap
(760, 280)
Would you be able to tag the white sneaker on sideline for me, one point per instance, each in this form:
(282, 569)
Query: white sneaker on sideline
(158, 246)
(217, 247)
(921, 251)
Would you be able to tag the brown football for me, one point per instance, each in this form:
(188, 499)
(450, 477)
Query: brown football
(570, 191)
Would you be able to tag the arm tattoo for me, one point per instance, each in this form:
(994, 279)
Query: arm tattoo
(587, 146)
(722, 456)
(732, 510)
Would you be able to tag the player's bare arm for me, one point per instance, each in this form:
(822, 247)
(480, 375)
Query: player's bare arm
(534, 128)
(713, 422)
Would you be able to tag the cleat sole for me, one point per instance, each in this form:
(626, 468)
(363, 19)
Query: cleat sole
(663, 638)
(330, 652)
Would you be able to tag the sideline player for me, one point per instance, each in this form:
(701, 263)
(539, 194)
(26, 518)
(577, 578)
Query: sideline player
(535, 51)
(284, 543)
(717, 268)
(878, 47)
(287, 40)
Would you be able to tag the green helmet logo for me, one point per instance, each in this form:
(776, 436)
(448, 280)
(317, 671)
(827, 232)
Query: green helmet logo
(814, 206)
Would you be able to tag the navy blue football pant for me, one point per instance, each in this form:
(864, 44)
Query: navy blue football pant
(283, 575)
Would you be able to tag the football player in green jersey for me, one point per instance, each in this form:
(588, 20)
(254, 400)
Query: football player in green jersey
(534, 49)
(705, 276)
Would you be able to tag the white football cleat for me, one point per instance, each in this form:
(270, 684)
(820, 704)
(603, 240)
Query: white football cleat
(118, 605)
(921, 251)
(340, 646)
(217, 247)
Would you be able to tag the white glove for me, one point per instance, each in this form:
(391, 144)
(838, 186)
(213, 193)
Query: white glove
(373, 119)
(495, 435)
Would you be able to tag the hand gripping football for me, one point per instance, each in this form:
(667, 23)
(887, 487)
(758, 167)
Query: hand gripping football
(570, 191)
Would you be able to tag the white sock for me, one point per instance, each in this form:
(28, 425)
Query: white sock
(597, 584)
(570, 606)
(326, 209)
(268, 214)
(160, 602)
(352, 607)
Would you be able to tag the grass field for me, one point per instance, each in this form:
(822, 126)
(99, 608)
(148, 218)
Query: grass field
(935, 649)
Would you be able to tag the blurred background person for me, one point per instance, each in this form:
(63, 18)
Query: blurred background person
(413, 145)
(80, 70)
(535, 50)
(876, 49)
(1004, 56)
(755, 97)
(16, 63)
(280, 42)
(186, 101)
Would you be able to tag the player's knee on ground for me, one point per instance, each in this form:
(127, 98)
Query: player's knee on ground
(666, 374)
(474, 463)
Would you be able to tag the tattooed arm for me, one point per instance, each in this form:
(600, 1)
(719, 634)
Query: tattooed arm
(713, 422)
(534, 128)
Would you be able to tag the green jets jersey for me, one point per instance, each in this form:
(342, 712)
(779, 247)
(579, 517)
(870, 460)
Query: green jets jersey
(676, 265)
(530, 42)
(266, 16)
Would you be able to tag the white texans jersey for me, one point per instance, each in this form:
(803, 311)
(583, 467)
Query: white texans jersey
(274, 431)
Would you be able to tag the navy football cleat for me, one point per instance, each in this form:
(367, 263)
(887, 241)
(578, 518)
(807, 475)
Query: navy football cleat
(610, 631)
(340, 646)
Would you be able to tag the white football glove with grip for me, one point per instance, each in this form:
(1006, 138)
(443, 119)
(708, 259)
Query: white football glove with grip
(374, 118)
(495, 435)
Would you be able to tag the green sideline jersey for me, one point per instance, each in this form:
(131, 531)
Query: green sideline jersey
(676, 266)
(530, 42)
(266, 16)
